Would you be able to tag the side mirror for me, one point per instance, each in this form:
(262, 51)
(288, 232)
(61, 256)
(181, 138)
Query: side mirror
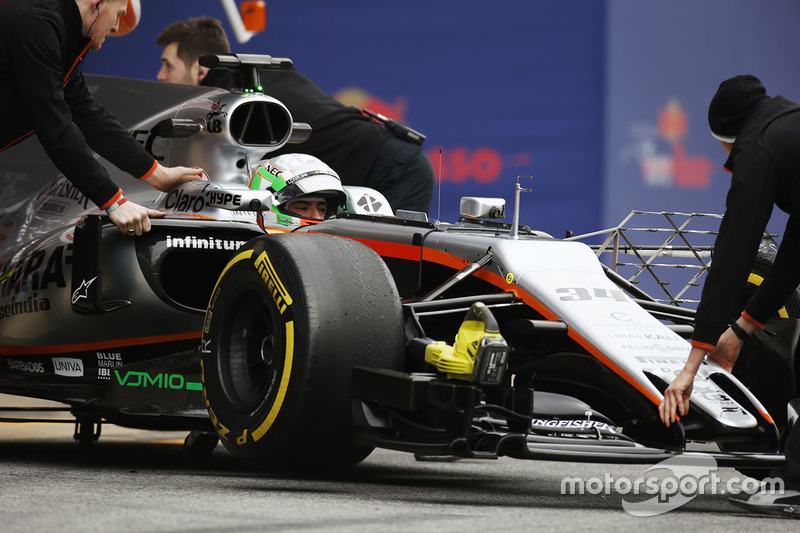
(300, 133)
(177, 128)
(475, 207)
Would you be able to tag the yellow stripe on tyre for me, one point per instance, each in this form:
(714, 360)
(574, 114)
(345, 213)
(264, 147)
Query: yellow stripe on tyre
(282, 387)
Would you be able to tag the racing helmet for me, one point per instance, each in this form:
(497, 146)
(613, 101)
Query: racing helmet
(292, 177)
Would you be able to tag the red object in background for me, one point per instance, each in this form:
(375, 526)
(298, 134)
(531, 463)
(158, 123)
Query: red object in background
(460, 164)
(672, 123)
(254, 15)
(691, 172)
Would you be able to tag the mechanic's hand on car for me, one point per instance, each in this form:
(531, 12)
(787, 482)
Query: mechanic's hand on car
(676, 397)
(133, 219)
(167, 178)
(727, 351)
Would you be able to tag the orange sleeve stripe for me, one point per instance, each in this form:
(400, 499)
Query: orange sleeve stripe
(113, 199)
(752, 320)
(149, 172)
(703, 345)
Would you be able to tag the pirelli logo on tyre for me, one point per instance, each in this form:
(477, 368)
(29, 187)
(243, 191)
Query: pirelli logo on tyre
(273, 282)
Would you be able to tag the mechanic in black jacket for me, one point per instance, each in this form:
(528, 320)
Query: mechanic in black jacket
(41, 44)
(761, 136)
(360, 150)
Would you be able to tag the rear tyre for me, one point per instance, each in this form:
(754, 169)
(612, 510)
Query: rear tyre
(289, 318)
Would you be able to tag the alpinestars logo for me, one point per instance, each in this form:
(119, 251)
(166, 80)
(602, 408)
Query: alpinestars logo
(82, 292)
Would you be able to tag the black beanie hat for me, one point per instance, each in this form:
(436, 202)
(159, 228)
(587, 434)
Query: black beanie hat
(732, 103)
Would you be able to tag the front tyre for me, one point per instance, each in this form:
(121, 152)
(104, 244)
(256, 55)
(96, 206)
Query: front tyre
(290, 316)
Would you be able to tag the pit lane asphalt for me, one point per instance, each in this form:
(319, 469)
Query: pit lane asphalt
(138, 481)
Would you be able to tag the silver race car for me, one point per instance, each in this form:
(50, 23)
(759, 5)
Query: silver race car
(310, 342)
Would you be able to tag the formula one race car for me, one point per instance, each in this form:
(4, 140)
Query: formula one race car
(299, 342)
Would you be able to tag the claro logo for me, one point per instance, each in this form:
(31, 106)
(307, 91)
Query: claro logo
(191, 201)
(68, 367)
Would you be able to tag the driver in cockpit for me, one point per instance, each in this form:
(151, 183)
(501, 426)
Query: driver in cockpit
(302, 185)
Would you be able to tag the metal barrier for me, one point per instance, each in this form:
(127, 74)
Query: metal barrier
(664, 254)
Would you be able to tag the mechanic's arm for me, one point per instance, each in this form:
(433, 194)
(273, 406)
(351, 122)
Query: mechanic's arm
(110, 139)
(726, 352)
(167, 178)
(38, 81)
(729, 345)
(133, 219)
(748, 207)
(103, 132)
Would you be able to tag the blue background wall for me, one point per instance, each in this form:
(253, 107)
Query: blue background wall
(665, 60)
(603, 102)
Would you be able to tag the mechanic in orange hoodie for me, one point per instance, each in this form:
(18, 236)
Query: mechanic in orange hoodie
(42, 43)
